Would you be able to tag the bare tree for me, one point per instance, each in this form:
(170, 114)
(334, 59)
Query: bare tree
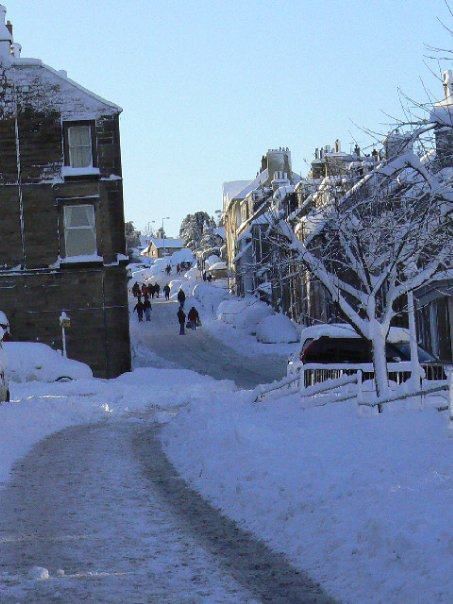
(388, 235)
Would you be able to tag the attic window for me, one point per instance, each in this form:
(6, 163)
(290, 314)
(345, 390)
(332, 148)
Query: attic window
(79, 144)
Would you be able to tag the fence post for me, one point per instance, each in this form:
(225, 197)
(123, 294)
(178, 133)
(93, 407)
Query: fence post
(302, 379)
(450, 395)
(359, 387)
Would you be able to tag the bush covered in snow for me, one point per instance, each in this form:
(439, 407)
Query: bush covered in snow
(277, 329)
(255, 313)
(32, 361)
(229, 310)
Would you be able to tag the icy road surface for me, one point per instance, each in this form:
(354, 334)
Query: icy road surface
(199, 351)
(102, 504)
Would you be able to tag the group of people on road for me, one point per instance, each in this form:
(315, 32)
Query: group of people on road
(193, 318)
(143, 307)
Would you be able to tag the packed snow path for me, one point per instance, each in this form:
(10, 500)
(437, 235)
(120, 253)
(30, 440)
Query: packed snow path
(102, 503)
(199, 351)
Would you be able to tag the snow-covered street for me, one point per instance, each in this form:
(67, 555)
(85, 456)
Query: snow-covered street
(96, 513)
(199, 351)
(102, 503)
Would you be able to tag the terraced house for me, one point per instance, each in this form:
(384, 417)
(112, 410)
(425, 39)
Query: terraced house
(62, 243)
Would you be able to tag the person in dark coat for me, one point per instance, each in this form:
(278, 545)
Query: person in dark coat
(151, 290)
(167, 292)
(181, 297)
(144, 290)
(193, 318)
(147, 308)
(139, 308)
(136, 290)
(204, 275)
(182, 320)
(157, 288)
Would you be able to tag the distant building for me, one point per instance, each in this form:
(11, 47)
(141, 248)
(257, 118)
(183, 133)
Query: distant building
(158, 248)
(245, 204)
(62, 242)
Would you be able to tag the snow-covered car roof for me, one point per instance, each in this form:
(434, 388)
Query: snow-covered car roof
(344, 330)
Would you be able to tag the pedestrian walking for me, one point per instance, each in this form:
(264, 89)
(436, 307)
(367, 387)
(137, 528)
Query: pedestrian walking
(139, 309)
(157, 289)
(193, 317)
(152, 290)
(144, 290)
(168, 269)
(182, 320)
(181, 297)
(136, 290)
(204, 275)
(167, 291)
(147, 308)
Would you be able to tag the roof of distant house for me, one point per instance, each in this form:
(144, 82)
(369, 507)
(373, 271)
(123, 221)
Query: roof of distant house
(167, 242)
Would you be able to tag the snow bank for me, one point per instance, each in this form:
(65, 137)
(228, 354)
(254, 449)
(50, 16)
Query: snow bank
(37, 409)
(211, 260)
(277, 329)
(361, 504)
(184, 255)
(192, 274)
(209, 296)
(251, 317)
(32, 361)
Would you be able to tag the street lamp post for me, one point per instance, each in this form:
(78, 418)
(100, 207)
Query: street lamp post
(162, 233)
(65, 323)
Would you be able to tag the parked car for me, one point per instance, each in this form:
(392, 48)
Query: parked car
(339, 344)
(4, 383)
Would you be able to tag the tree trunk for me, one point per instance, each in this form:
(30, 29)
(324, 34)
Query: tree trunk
(379, 360)
(416, 373)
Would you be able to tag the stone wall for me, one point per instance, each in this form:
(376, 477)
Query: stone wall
(95, 300)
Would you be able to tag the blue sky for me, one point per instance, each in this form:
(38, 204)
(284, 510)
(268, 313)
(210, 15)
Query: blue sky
(208, 86)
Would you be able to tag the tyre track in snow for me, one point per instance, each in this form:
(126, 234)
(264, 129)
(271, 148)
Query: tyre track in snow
(103, 503)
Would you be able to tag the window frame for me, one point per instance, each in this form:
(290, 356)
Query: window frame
(71, 124)
(72, 204)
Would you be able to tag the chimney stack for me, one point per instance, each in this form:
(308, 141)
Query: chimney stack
(6, 38)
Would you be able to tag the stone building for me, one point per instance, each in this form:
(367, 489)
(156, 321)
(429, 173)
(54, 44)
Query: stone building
(62, 243)
(159, 247)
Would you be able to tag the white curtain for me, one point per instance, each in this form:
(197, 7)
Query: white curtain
(80, 146)
(80, 230)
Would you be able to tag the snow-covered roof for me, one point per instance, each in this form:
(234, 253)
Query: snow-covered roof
(241, 193)
(232, 188)
(167, 242)
(217, 266)
(220, 231)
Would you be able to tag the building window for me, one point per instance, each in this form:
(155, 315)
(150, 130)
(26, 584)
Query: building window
(79, 230)
(79, 144)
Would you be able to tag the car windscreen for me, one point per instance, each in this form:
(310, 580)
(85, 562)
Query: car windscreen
(337, 350)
